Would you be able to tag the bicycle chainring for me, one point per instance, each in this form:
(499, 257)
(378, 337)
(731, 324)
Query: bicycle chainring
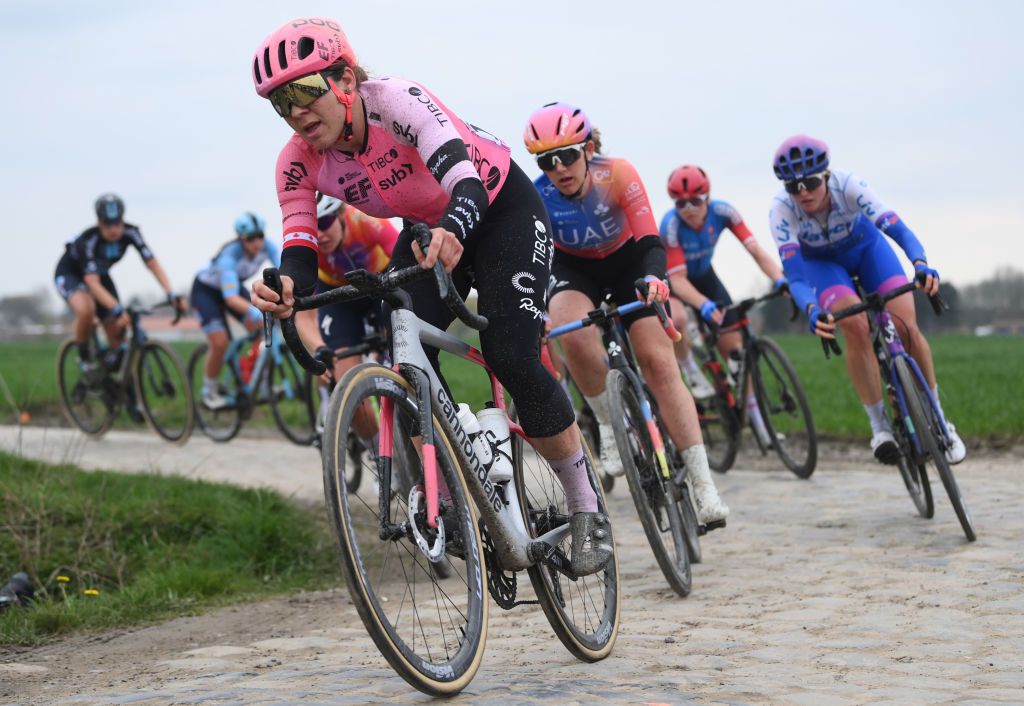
(500, 584)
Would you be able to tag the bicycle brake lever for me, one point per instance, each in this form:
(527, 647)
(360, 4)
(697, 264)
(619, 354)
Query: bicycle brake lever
(271, 278)
(421, 233)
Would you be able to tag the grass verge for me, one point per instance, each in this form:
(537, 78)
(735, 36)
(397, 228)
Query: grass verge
(152, 547)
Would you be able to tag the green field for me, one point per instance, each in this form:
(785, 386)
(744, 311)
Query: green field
(980, 380)
(149, 546)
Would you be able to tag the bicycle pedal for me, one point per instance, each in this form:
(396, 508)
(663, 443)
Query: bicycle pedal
(717, 524)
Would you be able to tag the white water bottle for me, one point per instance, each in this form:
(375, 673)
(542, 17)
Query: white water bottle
(735, 366)
(471, 426)
(494, 424)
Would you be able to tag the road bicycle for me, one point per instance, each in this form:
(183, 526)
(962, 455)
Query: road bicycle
(917, 422)
(143, 376)
(254, 374)
(655, 473)
(432, 629)
(763, 368)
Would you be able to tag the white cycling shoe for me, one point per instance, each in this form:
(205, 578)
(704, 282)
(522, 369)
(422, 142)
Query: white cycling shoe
(710, 508)
(956, 451)
(883, 446)
(699, 386)
(213, 400)
(610, 461)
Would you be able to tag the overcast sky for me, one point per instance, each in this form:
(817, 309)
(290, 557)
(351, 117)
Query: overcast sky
(155, 102)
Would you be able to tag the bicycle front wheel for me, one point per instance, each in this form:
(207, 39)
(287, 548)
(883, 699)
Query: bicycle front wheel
(292, 399)
(430, 625)
(163, 391)
(784, 409)
(659, 513)
(926, 429)
(223, 423)
(583, 613)
(89, 405)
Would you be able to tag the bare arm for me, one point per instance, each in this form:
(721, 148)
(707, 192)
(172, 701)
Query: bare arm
(309, 329)
(686, 291)
(97, 290)
(767, 264)
(158, 271)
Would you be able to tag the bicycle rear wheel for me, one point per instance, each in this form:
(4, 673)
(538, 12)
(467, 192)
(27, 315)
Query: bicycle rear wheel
(784, 408)
(219, 424)
(89, 405)
(430, 628)
(163, 391)
(718, 424)
(681, 489)
(659, 513)
(927, 431)
(292, 398)
(584, 613)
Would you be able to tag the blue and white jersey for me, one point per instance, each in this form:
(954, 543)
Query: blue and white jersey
(230, 267)
(855, 211)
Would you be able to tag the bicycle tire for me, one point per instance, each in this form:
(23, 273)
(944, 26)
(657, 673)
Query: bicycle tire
(221, 425)
(167, 403)
(291, 400)
(589, 636)
(719, 426)
(591, 431)
(915, 478)
(794, 437)
(926, 430)
(654, 502)
(370, 576)
(90, 408)
(681, 488)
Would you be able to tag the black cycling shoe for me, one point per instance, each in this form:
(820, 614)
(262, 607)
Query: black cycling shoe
(592, 546)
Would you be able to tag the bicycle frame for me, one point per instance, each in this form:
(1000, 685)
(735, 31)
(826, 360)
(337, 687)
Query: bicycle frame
(500, 509)
(232, 358)
(620, 357)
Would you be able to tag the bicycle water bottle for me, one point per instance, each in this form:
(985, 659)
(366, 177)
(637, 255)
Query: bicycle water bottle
(471, 426)
(735, 366)
(247, 362)
(496, 432)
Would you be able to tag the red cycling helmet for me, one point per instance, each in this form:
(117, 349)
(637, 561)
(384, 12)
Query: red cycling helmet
(687, 182)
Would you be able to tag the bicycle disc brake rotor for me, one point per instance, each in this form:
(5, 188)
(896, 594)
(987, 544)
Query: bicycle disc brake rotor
(434, 551)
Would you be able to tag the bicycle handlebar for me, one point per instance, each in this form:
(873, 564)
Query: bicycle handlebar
(597, 315)
(875, 302)
(659, 309)
(714, 330)
(361, 283)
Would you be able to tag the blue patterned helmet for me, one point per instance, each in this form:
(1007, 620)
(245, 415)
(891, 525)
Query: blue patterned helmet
(800, 156)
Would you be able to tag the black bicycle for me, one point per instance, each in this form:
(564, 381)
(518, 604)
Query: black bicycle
(144, 376)
(657, 477)
(762, 367)
(917, 422)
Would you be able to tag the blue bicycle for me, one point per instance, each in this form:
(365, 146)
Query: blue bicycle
(917, 421)
(254, 374)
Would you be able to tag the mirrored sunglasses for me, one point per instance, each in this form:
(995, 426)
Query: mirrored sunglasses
(566, 156)
(806, 184)
(325, 222)
(301, 92)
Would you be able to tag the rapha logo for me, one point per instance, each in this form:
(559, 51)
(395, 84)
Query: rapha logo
(614, 349)
(293, 177)
(601, 209)
(517, 282)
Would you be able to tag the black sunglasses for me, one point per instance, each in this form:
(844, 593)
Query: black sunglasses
(695, 202)
(325, 222)
(806, 184)
(258, 235)
(566, 156)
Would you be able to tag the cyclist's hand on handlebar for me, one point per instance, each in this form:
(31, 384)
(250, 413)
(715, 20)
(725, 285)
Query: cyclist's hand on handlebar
(710, 312)
(781, 285)
(326, 356)
(444, 246)
(266, 299)
(825, 329)
(657, 290)
(927, 278)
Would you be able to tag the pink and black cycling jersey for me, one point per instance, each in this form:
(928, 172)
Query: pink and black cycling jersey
(415, 152)
(690, 251)
(614, 210)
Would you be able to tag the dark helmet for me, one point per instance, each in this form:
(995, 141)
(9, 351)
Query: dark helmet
(109, 209)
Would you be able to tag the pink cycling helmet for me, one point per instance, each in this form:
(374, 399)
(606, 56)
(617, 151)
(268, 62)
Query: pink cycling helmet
(800, 156)
(556, 125)
(687, 182)
(298, 48)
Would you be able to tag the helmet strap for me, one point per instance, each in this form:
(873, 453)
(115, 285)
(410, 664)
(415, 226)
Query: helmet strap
(583, 185)
(346, 100)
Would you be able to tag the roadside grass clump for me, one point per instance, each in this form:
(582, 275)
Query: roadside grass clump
(107, 550)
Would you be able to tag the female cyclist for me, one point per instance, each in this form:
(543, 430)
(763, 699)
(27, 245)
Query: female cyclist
(690, 232)
(217, 290)
(348, 239)
(606, 238)
(828, 225)
(390, 148)
(83, 276)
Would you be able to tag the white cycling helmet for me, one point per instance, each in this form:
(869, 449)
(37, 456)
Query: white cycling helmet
(327, 205)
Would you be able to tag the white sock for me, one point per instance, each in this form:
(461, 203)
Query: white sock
(754, 412)
(599, 405)
(876, 415)
(696, 460)
(689, 364)
(935, 394)
(209, 384)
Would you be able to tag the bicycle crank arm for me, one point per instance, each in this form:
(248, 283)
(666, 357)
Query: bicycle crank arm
(543, 553)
